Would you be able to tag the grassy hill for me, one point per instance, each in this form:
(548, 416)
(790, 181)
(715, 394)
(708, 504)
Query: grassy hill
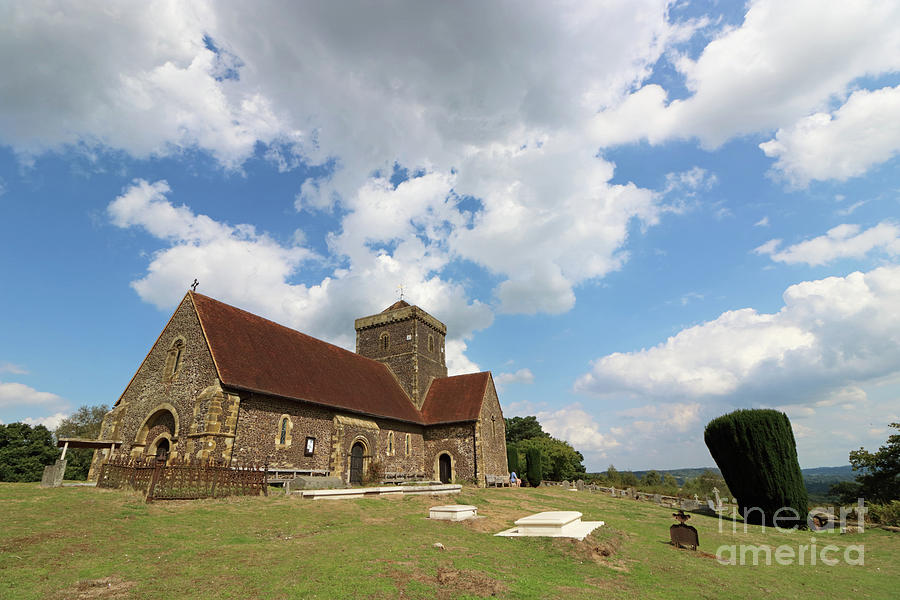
(80, 543)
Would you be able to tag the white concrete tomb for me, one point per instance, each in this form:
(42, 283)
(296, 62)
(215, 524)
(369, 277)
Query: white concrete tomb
(453, 512)
(557, 523)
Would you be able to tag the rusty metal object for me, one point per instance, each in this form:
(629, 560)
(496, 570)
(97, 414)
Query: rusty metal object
(681, 534)
(183, 479)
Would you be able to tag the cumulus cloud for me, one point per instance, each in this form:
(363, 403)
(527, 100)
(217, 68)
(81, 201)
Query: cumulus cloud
(862, 133)
(843, 241)
(50, 422)
(498, 113)
(830, 334)
(786, 61)
(679, 416)
(579, 428)
(521, 376)
(237, 264)
(19, 395)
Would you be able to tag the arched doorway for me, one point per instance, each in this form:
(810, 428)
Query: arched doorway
(445, 468)
(162, 449)
(357, 452)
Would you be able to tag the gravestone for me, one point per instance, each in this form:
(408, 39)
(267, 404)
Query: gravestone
(579, 485)
(657, 498)
(566, 483)
(53, 474)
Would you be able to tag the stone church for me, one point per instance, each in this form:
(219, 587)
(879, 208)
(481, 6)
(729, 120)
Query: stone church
(225, 384)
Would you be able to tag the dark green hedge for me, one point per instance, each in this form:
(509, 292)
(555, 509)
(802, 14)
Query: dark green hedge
(757, 454)
(535, 470)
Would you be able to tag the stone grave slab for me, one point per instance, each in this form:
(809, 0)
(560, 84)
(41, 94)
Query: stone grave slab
(557, 523)
(453, 512)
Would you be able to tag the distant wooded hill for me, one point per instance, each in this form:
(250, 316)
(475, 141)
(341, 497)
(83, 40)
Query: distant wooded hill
(817, 480)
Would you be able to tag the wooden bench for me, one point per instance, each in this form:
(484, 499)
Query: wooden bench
(496, 481)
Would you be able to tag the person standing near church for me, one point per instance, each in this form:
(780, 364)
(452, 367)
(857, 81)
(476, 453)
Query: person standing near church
(513, 479)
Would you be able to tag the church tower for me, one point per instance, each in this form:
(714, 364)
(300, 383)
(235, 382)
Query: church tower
(409, 341)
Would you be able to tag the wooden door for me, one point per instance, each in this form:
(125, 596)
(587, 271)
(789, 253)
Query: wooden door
(356, 463)
(444, 467)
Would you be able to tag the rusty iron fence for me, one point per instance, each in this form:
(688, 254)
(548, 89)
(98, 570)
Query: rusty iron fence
(183, 479)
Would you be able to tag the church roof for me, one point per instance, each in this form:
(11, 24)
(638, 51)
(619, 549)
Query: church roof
(396, 306)
(255, 354)
(455, 399)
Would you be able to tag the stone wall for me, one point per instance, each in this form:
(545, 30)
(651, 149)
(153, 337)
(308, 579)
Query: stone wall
(458, 441)
(259, 432)
(491, 437)
(155, 387)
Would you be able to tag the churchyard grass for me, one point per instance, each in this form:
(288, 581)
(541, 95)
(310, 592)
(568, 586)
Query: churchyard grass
(89, 543)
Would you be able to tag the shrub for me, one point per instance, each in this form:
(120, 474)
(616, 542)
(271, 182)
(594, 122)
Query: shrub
(885, 514)
(757, 454)
(512, 458)
(535, 471)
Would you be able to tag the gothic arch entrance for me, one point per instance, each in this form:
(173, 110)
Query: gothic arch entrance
(357, 453)
(162, 449)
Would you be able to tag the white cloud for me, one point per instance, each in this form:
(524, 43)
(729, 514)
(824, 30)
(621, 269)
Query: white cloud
(846, 143)
(146, 83)
(658, 417)
(521, 376)
(19, 395)
(499, 113)
(843, 241)
(50, 422)
(784, 62)
(764, 222)
(8, 367)
(251, 270)
(830, 334)
(577, 427)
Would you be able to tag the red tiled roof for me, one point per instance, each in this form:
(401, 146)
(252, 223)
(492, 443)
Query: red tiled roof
(396, 305)
(454, 399)
(256, 354)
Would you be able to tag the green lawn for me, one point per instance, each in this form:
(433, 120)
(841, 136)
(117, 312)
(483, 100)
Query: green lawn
(89, 543)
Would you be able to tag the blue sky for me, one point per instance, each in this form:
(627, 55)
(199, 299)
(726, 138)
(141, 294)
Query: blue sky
(637, 215)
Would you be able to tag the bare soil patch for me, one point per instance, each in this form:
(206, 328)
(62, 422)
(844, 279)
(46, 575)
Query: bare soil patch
(107, 588)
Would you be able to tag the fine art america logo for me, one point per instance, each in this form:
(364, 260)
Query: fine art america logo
(819, 521)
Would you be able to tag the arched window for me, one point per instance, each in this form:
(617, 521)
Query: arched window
(385, 340)
(283, 433)
(431, 343)
(408, 444)
(390, 443)
(174, 358)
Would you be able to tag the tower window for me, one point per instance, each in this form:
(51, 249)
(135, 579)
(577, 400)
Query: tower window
(431, 343)
(408, 444)
(390, 443)
(283, 433)
(284, 423)
(384, 340)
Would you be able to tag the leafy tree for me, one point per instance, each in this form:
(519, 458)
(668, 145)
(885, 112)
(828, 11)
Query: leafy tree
(84, 423)
(535, 472)
(612, 476)
(628, 479)
(846, 491)
(559, 459)
(880, 479)
(757, 454)
(523, 428)
(512, 459)
(25, 451)
(670, 482)
(652, 478)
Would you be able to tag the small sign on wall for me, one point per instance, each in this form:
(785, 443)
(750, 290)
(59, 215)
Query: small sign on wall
(310, 446)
